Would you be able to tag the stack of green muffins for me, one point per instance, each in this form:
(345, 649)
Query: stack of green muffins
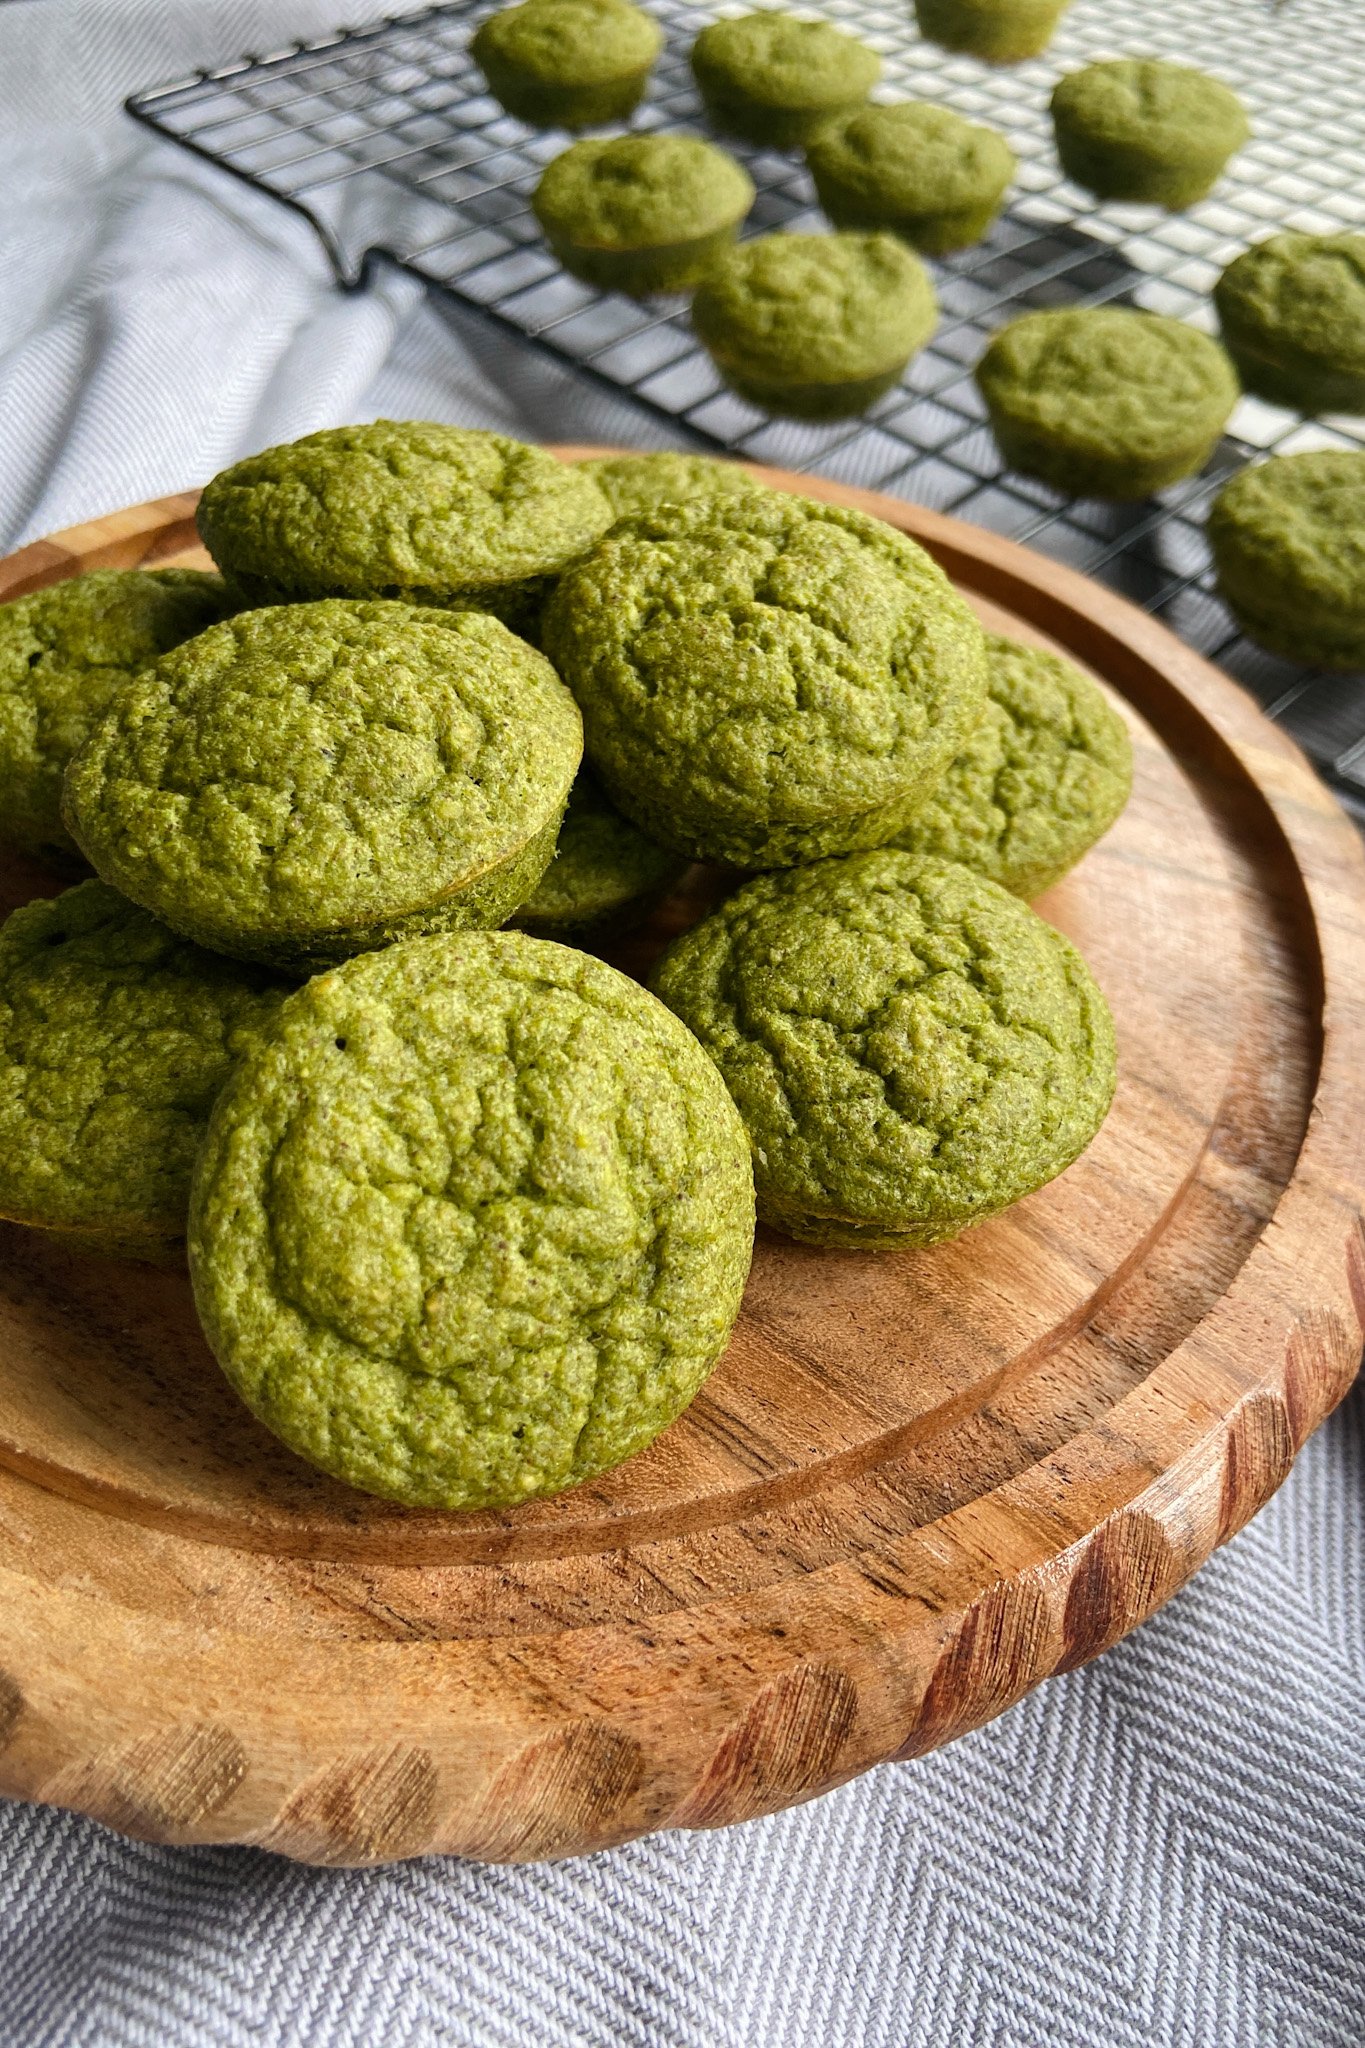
(469, 1212)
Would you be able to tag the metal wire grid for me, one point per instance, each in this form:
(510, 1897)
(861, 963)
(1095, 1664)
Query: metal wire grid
(386, 140)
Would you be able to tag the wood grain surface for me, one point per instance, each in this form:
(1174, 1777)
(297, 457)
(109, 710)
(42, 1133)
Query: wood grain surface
(917, 1484)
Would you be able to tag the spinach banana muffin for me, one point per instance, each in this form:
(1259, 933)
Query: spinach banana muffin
(568, 63)
(605, 875)
(115, 1037)
(311, 780)
(1101, 402)
(765, 679)
(910, 1047)
(641, 213)
(776, 79)
(64, 651)
(1292, 311)
(1001, 31)
(641, 483)
(1044, 775)
(1288, 542)
(527, 1251)
(400, 508)
(917, 169)
(815, 326)
(1140, 128)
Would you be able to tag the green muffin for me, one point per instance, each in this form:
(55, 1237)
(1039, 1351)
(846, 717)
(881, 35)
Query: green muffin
(605, 876)
(775, 79)
(641, 213)
(641, 483)
(910, 1047)
(1101, 402)
(305, 782)
(568, 63)
(1001, 31)
(408, 509)
(765, 679)
(115, 1037)
(474, 1223)
(815, 326)
(1288, 542)
(1139, 128)
(1292, 311)
(922, 171)
(64, 651)
(1044, 775)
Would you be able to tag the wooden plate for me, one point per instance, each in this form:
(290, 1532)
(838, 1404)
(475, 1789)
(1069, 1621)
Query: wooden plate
(917, 1484)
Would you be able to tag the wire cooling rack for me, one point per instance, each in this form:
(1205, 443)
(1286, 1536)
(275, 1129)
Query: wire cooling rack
(386, 140)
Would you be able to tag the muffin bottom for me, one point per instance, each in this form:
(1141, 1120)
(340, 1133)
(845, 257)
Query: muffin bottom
(840, 400)
(672, 267)
(933, 234)
(1025, 31)
(567, 106)
(482, 904)
(1290, 379)
(838, 1233)
(1112, 173)
(1312, 643)
(1082, 475)
(131, 1241)
(773, 127)
(517, 605)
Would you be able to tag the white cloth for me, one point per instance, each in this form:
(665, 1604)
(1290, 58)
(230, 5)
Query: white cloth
(1166, 1850)
(158, 318)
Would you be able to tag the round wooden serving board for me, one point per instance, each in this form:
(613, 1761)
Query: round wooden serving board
(916, 1484)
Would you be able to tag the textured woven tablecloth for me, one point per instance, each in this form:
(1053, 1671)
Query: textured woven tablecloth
(1165, 1848)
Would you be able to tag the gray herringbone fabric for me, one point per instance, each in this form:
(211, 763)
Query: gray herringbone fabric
(1164, 1851)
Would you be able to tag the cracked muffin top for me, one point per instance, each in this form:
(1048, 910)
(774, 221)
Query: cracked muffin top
(301, 782)
(398, 509)
(764, 678)
(1046, 772)
(537, 1232)
(64, 651)
(115, 1037)
(910, 1047)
